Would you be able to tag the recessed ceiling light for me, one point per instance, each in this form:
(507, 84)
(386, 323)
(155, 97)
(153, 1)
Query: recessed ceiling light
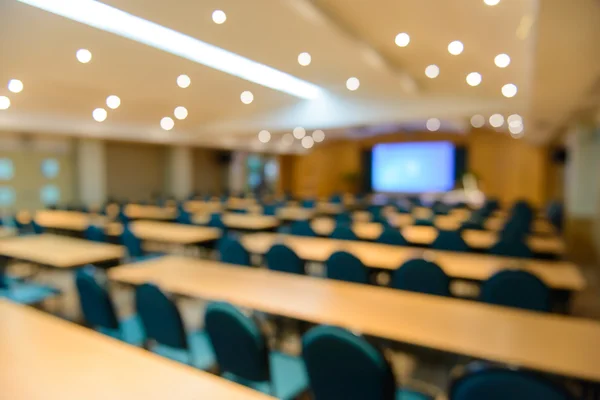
(432, 71)
(264, 136)
(113, 101)
(502, 60)
(496, 120)
(474, 78)
(299, 132)
(514, 119)
(516, 131)
(99, 114)
(167, 123)
(307, 142)
(84, 56)
(352, 83)
(433, 124)
(183, 81)
(304, 59)
(477, 121)
(491, 2)
(180, 112)
(509, 90)
(456, 47)
(318, 136)
(402, 39)
(287, 139)
(15, 86)
(247, 97)
(4, 103)
(219, 16)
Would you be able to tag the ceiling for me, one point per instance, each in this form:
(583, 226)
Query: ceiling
(552, 46)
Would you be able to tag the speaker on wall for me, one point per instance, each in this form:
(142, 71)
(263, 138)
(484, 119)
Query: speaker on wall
(559, 155)
(224, 157)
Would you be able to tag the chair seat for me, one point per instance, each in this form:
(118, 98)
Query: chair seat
(146, 257)
(28, 293)
(407, 394)
(131, 331)
(201, 351)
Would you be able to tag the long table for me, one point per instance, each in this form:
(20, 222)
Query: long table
(244, 222)
(555, 344)
(44, 357)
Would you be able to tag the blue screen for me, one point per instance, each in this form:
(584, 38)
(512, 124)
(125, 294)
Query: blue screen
(413, 167)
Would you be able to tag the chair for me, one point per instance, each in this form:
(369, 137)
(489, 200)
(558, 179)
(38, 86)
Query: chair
(344, 266)
(341, 365)
(392, 236)
(308, 203)
(343, 218)
(282, 258)
(424, 222)
(508, 247)
(421, 276)
(450, 240)
(37, 228)
(216, 221)
(231, 251)
(302, 228)
(516, 288)
(243, 357)
(184, 217)
(495, 383)
(133, 244)
(375, 211)
(343, 232)
(165, 332)
(336, 199)
(94, 233)
(475, 221)
(270, 209)
(99, 311)
(28, 293)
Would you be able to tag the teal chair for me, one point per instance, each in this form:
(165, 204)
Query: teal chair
(344, 266)
(343, 218)
(28, 293)
(165, 332)
(421, 276)
(282, 258)
(243, 356)
(270, 209)
(424, 222)
(133, 244)
(336, 199)
(308, 203)
(94, 233)
(392, 236)
(341, 365)
(343, 232)
(231, 251)
(37, 228)
(216, 221)
(511, 247)
(99, 311)
(184, 217)
(518, 289)
(450, 240)
(303, 228)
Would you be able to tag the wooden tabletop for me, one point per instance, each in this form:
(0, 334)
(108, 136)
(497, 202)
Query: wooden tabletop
(137, 211)
(46, 358)
(59, 251)
(68, 220)
(196, 206)
(249, 222)
(7, 232)
(550, 343)
(168, 232)
(560, 275)
(295, 213)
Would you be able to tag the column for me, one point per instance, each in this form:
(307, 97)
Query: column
(179, 172)
(91, 172)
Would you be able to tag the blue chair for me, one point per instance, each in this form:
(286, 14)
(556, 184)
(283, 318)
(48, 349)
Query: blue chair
(392, 236)
(475, 221)
(270, 209)
(99, 311)
(302, 228)
(28, 293)
(122, 217)
(450, 240)
(495, 383)
(216, 221)
(421, 276)
(343, 218)
(94, 233)
(231, 251)
(184, 217)
(424, 222)
(308, 203)
(336, 199)
(243, 357)
(37, 228)
(165, 332)
(516, 288)
(511, 248)
(282, 258)
(344, 266)
(343, 232)
(133, 244)
(341, 365)
(375, 211)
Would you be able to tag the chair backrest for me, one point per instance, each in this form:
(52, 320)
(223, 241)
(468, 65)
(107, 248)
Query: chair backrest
(421, 276)
(302, 228)
(160, 317)
(515, 247)
(341, 365)
(450, 240)
(270, 209)
(231, 251)
(184, 217)
(336, 198)
(392, 236)
(516, 288)
(95, 233)
(308, 203)
(282, 258)
(131, 242)
(37, 228)
(96, 305)
(344, 266)
(374, 210)
(239, 345)
(343, 232)
(343, 218)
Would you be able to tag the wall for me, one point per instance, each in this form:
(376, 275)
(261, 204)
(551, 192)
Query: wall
(209, 173)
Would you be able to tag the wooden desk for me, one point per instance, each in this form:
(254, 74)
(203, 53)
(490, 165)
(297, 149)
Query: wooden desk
(46, 358)
(555, 344)
(198, 206)
(539, 226)
(558, 275)
(295, 213)
(7, 232)
(59, 251)
(245, 222)
(137, 211)
(168, 232)
(68, 220)
(328, 208)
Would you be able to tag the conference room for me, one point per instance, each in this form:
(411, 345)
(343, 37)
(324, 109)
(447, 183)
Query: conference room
(299, 199)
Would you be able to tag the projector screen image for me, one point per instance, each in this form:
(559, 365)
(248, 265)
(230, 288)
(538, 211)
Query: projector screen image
(413, 167)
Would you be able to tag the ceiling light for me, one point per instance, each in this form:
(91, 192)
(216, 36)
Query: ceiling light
(432, 71)
(84, 56)
(318, 136)
(514, 119)
(219, 17)
(15, 86)
(113, 101)
(287, 139)
(509, 90)
(402, 39)
(304, 59)
(456, 47)
(433, 124)
(516, 131)
(99, 114)
(477, 121)
(307, 142)
(491, 2)
(496, 120)
(474, 78)
(110, 19)
(183, 81)
(167, 123)
(352, 83)
(247, 97)
(502, 60)
(180, 112)
(4, 103)
(299, 132)
(264, 136)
